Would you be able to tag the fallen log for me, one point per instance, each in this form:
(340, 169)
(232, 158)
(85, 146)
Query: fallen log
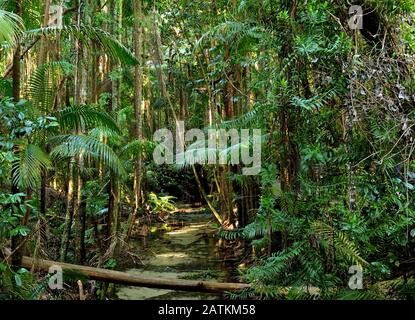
(119, 277)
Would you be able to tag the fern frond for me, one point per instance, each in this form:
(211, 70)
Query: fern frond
(229, 234)
(273, 267)
(340, 240)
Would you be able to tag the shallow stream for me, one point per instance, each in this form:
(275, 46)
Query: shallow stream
(190, 250)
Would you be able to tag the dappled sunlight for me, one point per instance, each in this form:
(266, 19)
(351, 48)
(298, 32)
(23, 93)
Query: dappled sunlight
(181, 253)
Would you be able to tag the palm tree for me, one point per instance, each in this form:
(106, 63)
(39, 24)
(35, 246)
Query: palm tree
(32, 159)
(11, 27)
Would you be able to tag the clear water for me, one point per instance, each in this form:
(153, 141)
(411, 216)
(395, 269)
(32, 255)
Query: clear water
(191, 249)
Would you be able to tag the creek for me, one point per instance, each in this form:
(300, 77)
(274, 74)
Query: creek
(189, 250)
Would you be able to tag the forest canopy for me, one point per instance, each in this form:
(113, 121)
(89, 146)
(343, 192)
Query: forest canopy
(287, 125)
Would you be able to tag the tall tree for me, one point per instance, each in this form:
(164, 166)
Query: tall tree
(138, 88)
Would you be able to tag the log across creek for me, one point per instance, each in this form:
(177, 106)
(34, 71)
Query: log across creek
(119, 277)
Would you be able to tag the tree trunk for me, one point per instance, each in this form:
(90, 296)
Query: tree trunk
(16, 60)
(15, 240)
(43, 41)
(80, 98)
(112, 276)
(289, 156)
(41, 60)
(114, 214)
(226, 187)
(68, 215)
(137, 109)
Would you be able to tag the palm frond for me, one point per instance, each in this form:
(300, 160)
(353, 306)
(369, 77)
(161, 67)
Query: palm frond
(88, 34)
(137, 147)
(11, 27)
(194, 155)
(79, 118)
(250, 118)
(313, 103)
(27, 170)
(67, 146)
(43, 83)
(230, 234)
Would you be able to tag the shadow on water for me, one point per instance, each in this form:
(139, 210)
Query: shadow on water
(190, 251)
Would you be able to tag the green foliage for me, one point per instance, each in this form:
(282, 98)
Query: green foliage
(340, 241)
(11, 27)
(88, 34)
(16, 118)
(161, 205)
(43, 83)
(274, 266)
(12, 207)
(20, 284)
(335, 107)
(202, 275)
(28, 169)
(69, 146)
(135, 148)
(80, 118)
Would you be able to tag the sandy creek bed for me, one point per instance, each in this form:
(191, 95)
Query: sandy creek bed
(184, 251)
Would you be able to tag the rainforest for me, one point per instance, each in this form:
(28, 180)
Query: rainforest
(207, 150)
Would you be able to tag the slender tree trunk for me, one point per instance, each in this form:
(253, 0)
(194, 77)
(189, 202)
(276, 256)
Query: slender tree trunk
(289, 153)
(114, 209)
(43, 41)
(79, 207)
(226, 187)
(204, 195)
(82, 229)
(78, 70)
(137, 7)
(16, 60)
(78, 212)
(15, 240)
(114, 188)
(68, 215)
(74, 194)
(44, 178)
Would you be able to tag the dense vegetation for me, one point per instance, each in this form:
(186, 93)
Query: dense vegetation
(84, 89)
